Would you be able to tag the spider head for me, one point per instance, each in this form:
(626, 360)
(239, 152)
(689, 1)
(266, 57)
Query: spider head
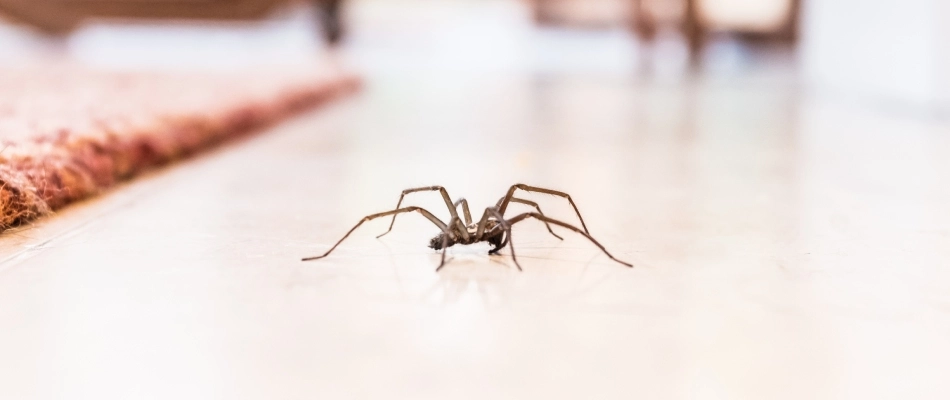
(436, 242)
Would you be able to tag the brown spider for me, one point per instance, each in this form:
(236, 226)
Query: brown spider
(492, 228)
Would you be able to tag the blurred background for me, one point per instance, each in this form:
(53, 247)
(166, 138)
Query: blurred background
(777, 170)
(887, 49)
(622, 35)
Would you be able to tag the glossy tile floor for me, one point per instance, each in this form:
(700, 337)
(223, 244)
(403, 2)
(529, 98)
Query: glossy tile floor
(787, 245)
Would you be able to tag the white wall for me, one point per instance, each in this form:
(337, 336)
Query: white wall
(887, 50)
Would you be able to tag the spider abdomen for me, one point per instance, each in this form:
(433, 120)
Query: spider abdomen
(436, 242)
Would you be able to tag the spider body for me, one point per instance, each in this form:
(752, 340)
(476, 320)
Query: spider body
(494, 237)
(493, 227)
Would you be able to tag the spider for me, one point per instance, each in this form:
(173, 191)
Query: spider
(492, 227)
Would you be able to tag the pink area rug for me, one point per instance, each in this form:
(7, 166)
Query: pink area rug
(67, 134)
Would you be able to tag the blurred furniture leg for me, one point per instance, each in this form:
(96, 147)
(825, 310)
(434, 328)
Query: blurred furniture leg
(540, 13)
(331, 22)
(694, 31)
(644, 24)
(648, 18)
(697, 20)
(58, 16)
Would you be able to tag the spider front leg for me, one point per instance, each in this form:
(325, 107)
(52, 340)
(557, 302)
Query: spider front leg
(530, 204)
(371, 217)
(480, 231)
(445, 197)
(503, 204)
(448, 235)
(507, 227)
(465, 212)
(542, 218)
(526, 202)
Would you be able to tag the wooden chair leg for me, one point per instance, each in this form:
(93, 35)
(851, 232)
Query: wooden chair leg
(694, 31)
(331, 21)
(643, 24)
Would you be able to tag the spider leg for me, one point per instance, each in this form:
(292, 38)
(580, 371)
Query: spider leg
(536, 207)
(445, 243)
(464, 203)
(503, 203)
(445, 197)
(482, 223)
(371, 217)
(531, 204)
(540, 217)
(480, 230)
(507, 227)
(501, 246)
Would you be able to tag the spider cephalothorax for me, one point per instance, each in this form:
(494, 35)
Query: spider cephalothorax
(494, 237)
(492, 228)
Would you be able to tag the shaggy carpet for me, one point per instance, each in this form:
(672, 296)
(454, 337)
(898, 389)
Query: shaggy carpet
(67, 134)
